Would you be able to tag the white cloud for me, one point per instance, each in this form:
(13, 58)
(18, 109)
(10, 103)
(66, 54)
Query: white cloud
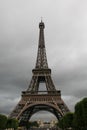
(71, 101)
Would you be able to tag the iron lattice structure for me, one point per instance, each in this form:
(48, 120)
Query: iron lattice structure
(32, 99)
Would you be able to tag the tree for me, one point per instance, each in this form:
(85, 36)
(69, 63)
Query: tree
(78, 121)
(84, 112)
(3, 121)
(12, 123)
(66, 121)
(80, 115)
(61, 123)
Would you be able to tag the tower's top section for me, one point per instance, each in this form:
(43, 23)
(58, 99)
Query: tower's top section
(41, 62)
(41, 25)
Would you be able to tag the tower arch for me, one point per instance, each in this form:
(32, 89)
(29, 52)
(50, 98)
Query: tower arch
(29, 110)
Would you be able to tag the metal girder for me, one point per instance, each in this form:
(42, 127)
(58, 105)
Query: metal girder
(31, 102)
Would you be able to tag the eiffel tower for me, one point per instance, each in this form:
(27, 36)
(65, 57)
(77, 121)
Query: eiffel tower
(33, 100)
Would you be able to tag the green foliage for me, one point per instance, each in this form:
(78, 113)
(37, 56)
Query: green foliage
(3, 121)
(32, 124)
(66, 121)
(78, 120)
(80, 115)
(61, 123)
(84, 109)
(12, 123)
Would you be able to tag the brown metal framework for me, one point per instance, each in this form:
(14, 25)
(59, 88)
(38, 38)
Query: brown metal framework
(32, 99)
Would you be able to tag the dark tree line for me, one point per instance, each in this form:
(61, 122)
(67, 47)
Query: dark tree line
(66, 121)
(76, 120)
(6, 123)
(32, 124)
(3, 121)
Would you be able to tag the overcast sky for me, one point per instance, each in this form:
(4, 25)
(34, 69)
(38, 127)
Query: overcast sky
(66, 46)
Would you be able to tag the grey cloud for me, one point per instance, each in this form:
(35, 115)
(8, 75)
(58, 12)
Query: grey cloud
(43, 115)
